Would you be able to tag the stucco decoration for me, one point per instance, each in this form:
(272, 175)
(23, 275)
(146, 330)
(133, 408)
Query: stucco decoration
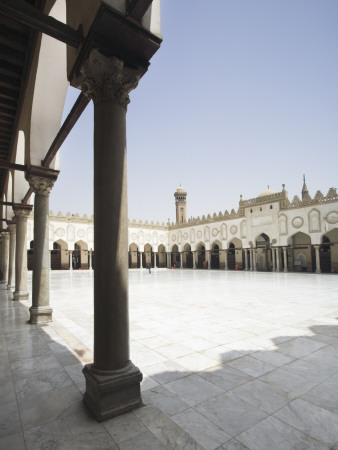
(90, 234)
(243, 229)
(134, 236)
(71, 233)
(214, 232)
(179, 237)
(233, 229)
(148, 237)
(173, 238)
(162, 238)
(81, 233)
(155, 238)
(141, 237)
(199, 234)
(60, 232)
(223, 231)
(283, 224)
(332, 217)
(185, 236)
(297, 222)
(314, 221)
(207, 234)
(192, 235)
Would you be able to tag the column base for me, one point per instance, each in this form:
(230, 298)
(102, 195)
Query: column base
(112, 393)
(318, 271)
(285, 270)
(20, 295)
(10, 287)
(40, 314)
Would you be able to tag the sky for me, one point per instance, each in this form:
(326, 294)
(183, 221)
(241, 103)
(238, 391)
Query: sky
(242, 94)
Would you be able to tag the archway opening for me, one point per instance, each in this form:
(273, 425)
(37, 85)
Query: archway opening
(60, 256)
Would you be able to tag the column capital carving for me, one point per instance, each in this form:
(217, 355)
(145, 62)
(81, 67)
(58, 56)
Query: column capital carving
(41, 185)
(21, 213)
(12, 228)
(5, 234)
(107, 78)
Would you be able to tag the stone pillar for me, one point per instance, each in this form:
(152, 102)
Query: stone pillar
(90, 259)
(246, 258)
(250, 259)
(194, 260)
(273, 259)
(317, 258)
(285, 259)
(21, 292)
(141, 253)
(208, 258)
(40, 311)
(11, 262)
(112, 381)
(181, 260)
(70, 259)
(226, 259)
(154, 260)
(277, 259)
(50, 259)
(254, 259)
(5, 256)
(168, 260)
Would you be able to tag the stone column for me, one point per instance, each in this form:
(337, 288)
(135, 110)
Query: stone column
(70, 259)
(250, 259)
(194, 260)
(112, 381)
(5, 256)
(11, 262)
(254, 259)
(278, 259)
(273, 259)
(141, 253)
(226, 259)
(168, 260)
(40, 311)
(50, 259)
(246, 258)
(21, 292)
(154, 260)
(208, 258)
(285, 259)
(317, 259)
(90, 259)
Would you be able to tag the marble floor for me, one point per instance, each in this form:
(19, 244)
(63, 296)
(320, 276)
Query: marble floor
(231, 360)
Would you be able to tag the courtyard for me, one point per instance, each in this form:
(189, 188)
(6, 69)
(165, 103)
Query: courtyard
(231, 360)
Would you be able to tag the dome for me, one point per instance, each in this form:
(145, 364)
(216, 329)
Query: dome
(180, 189)
(267, 192)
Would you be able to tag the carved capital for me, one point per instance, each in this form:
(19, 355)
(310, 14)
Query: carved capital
(41, 185)
(107, 78)
(12, 228)
(21, 214)
(5, 235)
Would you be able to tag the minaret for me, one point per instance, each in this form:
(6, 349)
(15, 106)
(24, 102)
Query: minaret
(305, 193)
(181, 205)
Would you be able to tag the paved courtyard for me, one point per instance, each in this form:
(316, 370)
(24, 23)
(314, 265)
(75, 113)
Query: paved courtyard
(231, 360)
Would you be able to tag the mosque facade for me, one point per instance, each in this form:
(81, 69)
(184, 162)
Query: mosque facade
(266, 233)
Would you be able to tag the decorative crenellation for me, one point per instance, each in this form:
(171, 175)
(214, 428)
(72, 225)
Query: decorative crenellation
(318, 199)
(107, 78)
(41, 185)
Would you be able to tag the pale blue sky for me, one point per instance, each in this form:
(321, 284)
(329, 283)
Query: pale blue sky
(242, 94)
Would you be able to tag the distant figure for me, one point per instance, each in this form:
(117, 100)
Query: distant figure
(149, 268)
(204, 264)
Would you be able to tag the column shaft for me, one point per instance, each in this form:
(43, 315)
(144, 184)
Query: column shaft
(5, 257)
(11, 263)
(21, 292)
(317, 258)
(285, 259)
(277, 259)
(273, 259)
(246, 258)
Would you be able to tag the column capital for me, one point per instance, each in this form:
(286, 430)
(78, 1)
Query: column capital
(41, 180)
(22, 213)
(5, 234)
(41, 185)
(12, 228)
(108, 78)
